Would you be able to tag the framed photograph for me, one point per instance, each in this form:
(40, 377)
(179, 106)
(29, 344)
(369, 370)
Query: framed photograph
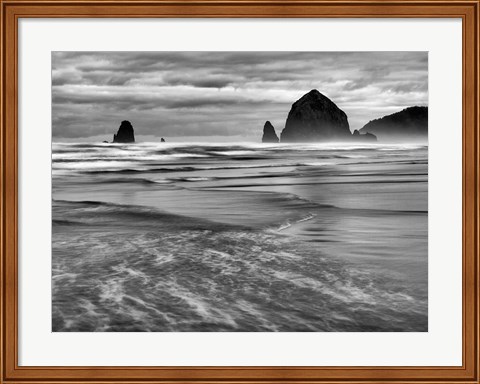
(239, 191)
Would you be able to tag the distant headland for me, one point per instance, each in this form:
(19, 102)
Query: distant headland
(410, 123)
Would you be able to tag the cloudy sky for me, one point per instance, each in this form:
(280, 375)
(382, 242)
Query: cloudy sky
(222, 96)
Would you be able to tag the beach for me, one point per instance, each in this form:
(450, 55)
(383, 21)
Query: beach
(179, 237)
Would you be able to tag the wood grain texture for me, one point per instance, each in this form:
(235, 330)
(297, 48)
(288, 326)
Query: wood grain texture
(12, 10)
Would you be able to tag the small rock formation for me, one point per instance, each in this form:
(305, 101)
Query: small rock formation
(365, 137)
(314, 117)
(408, 124)
(162, 140)
(105, 141)
(269, 135)
(125, 133)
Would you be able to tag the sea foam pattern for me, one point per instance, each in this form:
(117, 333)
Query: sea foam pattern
(211, 237)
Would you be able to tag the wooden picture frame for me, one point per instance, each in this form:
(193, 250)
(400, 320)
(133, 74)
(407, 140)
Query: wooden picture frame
(13, 10)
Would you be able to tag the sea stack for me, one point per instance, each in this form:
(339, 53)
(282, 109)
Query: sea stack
(125, 133)
(364, 137)
(408, 124)
(269, 135)
(313, 118)
(162, 140)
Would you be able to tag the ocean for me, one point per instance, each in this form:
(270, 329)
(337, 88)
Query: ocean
(175, 237)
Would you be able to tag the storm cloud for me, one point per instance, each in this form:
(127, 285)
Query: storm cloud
(218, 95)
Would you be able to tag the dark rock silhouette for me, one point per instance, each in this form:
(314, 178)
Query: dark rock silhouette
(105, 141)
(269, 135)
(314, 117)
(410, 123)
(125, 133)
(162, 140)
(365, 137)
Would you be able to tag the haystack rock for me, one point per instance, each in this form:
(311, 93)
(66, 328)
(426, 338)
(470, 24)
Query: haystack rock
(162, 140)
(314, 117)
(269, 135)
(125, 133)
(408, 124)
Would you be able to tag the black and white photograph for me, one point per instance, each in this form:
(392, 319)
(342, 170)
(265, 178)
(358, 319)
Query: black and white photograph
(240, 191)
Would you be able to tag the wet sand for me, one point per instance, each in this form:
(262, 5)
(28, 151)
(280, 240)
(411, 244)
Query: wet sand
(166, 237)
